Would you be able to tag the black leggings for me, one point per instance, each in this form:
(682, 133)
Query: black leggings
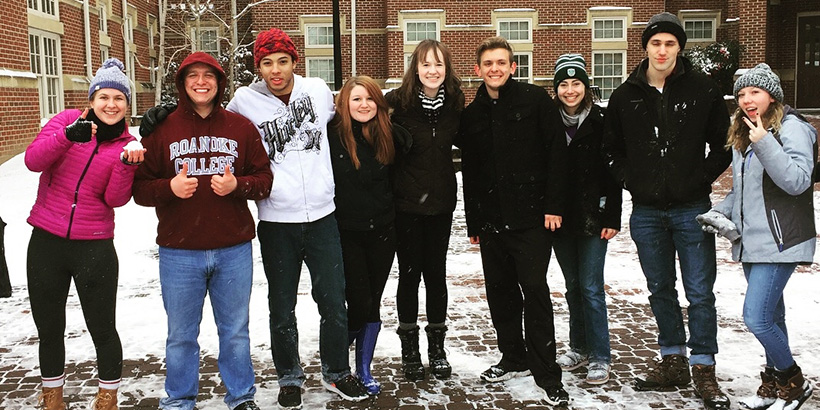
(422, 252)
(51, 264)
(368, 257)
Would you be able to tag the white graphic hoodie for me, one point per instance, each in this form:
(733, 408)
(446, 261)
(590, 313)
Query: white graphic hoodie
(295, 137)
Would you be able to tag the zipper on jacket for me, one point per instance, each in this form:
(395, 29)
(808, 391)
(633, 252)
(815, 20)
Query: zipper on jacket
(77, 190)
(778, 232)
(742, 180)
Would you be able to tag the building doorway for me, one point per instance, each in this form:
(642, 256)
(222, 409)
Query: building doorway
(808, 61)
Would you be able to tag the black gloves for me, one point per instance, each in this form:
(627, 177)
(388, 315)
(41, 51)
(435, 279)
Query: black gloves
(154, 116)
(79, 130)
(402, 138)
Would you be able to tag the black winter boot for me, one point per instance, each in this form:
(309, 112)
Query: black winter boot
(410, 356)
(792, 388)
(439, 365)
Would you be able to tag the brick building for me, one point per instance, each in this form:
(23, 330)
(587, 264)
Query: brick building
(45, 66)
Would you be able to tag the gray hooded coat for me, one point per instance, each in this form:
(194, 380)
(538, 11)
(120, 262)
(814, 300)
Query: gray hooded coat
(771, 199)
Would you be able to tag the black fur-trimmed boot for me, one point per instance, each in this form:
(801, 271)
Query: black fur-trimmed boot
(410, 356)
(439, 365)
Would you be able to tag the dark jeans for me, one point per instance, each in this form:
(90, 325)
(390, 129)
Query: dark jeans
(659, 235)
(515, 275)
(422, 252)
(368, 257)
(284, 246)
(51, 264)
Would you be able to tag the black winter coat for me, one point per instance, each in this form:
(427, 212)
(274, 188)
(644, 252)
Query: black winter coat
(364, 196)
(513, 159)
(655, 144)
(424, 178)
(594, 200)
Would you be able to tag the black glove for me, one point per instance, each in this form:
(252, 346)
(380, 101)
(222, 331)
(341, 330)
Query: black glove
(154, 116)
(79, 130)
(402, 138)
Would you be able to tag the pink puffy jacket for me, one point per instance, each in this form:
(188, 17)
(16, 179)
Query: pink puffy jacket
(80, 184)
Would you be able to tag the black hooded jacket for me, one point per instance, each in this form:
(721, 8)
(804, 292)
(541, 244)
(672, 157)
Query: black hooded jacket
(655, 143)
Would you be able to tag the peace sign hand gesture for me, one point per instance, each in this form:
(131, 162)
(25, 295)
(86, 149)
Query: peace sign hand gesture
(756, 130)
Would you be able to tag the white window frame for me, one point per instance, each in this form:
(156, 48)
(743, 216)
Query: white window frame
(419, 21)
(198, 43)
(515, 20)
(48, 70)
(153, 30)
(603, 20)
(310, 44)
(310, 61)
(103, 10)
(104, 53)
(128, 29)
(527, 78)
(597, 77)
(712, 35)
(408, 57)
(50, 8)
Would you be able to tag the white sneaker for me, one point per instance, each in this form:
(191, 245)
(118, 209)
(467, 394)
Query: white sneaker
(598, 373)
(571, 360)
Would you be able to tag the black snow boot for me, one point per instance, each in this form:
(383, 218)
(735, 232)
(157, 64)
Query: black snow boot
(439, 365)
(410, 356)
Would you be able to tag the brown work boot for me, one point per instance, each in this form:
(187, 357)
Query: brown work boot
(51, 399)
(106, 400)
(706, 387)
(672, 370)
(792, 388)
(766, 393)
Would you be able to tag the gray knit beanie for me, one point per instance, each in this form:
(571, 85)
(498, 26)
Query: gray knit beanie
(664, 23)
(570, 66)
(111, 75)
(761, 77)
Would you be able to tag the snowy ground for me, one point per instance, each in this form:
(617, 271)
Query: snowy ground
(141, 319)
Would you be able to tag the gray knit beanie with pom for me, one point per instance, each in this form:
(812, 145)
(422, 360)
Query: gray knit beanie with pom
(761, 77)
(111, 75)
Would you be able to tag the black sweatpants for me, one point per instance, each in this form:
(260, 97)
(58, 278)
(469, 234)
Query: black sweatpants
(515, 275)
(51, 264)
(368, 257)
(422, 252)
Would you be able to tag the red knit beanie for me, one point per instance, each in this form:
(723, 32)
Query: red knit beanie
(273, 41)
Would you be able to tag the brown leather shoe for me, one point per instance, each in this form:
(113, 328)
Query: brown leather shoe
(51, 399)
(707, 388)
(672, 370)
(106, 400)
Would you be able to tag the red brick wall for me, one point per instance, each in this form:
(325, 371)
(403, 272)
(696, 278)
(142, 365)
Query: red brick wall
(19, 107)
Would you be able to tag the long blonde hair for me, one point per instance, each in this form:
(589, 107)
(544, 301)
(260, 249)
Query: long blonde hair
(739, 132)
(378, 132)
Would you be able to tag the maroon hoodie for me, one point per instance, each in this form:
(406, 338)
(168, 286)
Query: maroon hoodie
(205, 220)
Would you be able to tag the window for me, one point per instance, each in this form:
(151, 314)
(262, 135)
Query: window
(608, 71)
(322, 68)
(699, 30)
(319, 36)
(103, 18)
(128, 29)
(103, 54)
(152, 71)
(416, 31)
(44, 59)
(523, 67)
(608, 29)
(152, 31)
(44, 6)
(209, 41)
(515, 30)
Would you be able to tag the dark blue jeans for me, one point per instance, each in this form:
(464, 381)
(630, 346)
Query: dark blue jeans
(659, 235)
(765, 312)
(582, 263)
(284, 246)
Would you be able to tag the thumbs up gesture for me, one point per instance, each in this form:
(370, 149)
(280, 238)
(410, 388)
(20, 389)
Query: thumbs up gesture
(183, 186)
(81, 129)
(224, 184)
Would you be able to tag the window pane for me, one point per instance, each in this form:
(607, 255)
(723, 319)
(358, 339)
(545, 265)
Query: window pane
(322, 68)
(320, 36)
(607, 72)
(523, 67)
(34, 54)
(418, 31)
(606, 29)
(514, 30)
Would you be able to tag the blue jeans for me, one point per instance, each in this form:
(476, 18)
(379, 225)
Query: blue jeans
(284, 246)
(765, 312)
(660, 234)
(582, 263)
(186, 276)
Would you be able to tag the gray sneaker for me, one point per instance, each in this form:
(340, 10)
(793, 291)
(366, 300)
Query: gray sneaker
(571, 360)
(597, 373)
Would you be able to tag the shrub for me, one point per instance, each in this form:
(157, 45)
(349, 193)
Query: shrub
(718, 60)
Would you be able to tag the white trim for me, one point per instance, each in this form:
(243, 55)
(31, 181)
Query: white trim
(308, 26)
(309, 60)
(595, 77)
(419, 21)
(515, 20)
(712, 36)
(622, 19)
(529, 56)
